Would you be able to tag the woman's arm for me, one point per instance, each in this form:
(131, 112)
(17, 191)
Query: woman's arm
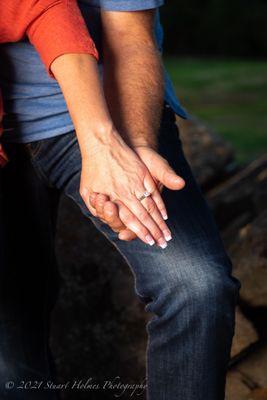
(109, 165)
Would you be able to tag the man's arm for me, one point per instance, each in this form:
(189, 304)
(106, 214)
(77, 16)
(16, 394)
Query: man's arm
(133, 75)
(133, 85)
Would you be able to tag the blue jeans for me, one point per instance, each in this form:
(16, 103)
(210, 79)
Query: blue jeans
(188, 286)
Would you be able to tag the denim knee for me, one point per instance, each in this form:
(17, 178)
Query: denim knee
(205, 287)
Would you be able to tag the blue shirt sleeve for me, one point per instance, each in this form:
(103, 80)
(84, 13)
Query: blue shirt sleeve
(126, 5)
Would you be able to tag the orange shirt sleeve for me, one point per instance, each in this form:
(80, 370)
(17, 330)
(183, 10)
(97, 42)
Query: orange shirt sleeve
(54, 27)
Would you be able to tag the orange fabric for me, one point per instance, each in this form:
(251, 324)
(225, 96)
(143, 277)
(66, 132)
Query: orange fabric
(54, 27)
(3, 157)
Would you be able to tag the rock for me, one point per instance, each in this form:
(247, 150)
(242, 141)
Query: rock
(249, 257)
(236, 389)
(254, 368)
(210, 156)
(248, 380)
(245, 334)
(241, 198)
(98, 325)
(258, 394)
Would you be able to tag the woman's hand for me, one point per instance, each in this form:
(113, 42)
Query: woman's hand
(163, 175)
(112, 168)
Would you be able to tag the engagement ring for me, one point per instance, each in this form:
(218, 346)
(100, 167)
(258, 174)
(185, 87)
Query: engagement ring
(144, 195)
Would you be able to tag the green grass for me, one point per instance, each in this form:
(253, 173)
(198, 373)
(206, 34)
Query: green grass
(229, 95)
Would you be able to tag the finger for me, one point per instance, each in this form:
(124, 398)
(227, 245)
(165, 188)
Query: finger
(92, 198)
(149, 183)
(156, 196)
(127, 235)
(112, 218)
(100, 201)
(152, 188)
(142, 214)
(154, 212)
(111, 215)
(133, 223)
(85, 195)
(166, 175)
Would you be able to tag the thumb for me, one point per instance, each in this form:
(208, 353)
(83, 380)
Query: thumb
(163, 172)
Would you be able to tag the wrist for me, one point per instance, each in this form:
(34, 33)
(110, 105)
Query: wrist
(151, 144)
(100, 138)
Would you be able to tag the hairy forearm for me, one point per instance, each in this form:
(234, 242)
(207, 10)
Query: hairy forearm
(133, 85)
(77, 75)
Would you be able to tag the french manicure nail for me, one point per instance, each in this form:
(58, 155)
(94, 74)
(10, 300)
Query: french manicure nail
(162, 243)
(165, 216)
(167, 234)
(150, 240)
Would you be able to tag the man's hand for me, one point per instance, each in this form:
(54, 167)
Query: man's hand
(159, 168)
(108, 212)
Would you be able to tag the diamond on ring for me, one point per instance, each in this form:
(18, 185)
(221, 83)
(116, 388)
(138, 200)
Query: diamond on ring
(144, 195)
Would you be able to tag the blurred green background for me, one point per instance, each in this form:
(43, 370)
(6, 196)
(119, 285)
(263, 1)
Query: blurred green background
(216, 54)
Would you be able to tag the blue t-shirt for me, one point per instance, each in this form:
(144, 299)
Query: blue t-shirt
(34, 105)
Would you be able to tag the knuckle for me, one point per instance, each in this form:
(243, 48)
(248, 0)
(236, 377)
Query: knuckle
(99, 205)
(141, 169)
(129, 219)
(100, 198)
(143, 231)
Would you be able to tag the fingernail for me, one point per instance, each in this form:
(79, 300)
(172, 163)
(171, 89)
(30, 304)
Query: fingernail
(162, 243)
(164, 216)
(167, 234)
(178, 179)
(150, 240)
